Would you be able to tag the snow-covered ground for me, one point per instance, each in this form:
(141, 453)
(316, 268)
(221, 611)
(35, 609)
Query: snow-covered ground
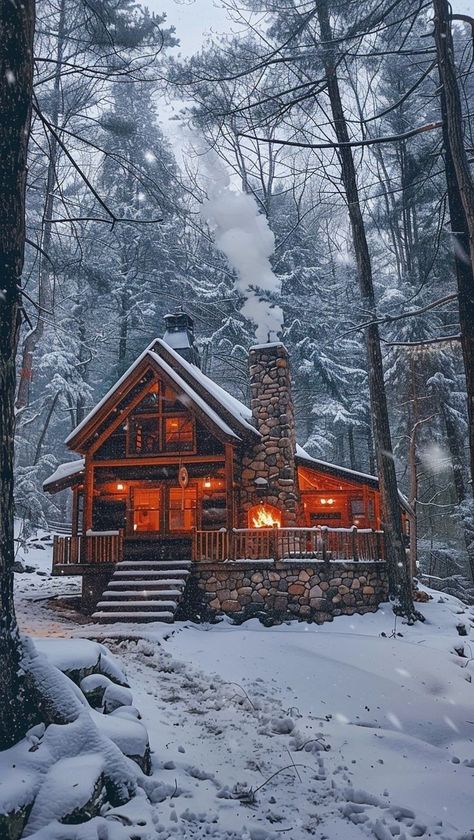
(358, 728)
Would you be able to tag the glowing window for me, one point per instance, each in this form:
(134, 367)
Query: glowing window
(146, 509)
(144, 436)
(182, 508)
(178, 434)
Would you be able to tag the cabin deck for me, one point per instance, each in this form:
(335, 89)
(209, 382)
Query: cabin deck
(101, 551)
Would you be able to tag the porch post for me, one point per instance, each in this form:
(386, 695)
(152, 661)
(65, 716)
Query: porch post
(229, 485)
(88, 500)
(75, 512)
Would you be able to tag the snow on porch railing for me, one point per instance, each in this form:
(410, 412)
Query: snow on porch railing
(94, 547)
(320, 543)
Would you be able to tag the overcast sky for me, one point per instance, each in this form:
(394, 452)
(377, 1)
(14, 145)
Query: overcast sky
(194, 19)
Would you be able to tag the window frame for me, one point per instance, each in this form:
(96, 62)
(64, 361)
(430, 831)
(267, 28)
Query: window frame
(160, 415)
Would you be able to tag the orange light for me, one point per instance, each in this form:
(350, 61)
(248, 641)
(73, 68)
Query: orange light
(327, 501)
(207, 482)
(120, 486)
(266, 517)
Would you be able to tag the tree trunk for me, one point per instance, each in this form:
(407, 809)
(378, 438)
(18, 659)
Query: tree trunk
(45, 295)
(399, 579)
(456, 452)
(413, 464)
(16, 86)
(460, 197)
(352, 455)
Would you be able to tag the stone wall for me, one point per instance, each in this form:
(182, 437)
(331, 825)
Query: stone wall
(272, 459)
(316, 591)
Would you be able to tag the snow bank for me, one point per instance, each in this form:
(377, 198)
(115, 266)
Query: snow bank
(66, 771)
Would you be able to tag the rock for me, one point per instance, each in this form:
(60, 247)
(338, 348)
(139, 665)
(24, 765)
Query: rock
(280, 603)
(296, 588)
(93, 688)
(72, 792)
(116, 696)
(318, 604)
(22, 568)
(12, 824)
(231, 606)
(316, 592)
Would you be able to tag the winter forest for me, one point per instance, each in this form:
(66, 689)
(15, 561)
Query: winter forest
(141, 160)
(236, 419)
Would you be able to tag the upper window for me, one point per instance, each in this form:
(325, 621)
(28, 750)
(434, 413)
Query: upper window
(158, 423)
(179, 434)
(170, 401)
(150, 401)
(144, 436)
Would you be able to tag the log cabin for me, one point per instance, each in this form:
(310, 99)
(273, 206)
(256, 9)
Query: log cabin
(175, 473)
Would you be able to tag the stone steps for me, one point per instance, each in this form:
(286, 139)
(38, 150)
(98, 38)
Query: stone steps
(106, 617)
(143, 590)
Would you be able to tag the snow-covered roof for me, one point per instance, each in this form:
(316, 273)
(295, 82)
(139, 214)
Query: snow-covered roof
(241, 412)
(64, 472)
(358, 476)
(355, 474)
(109, 393)
(236, 409)
(186, 389)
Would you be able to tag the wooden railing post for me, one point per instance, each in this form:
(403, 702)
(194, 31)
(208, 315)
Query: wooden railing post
(378, 543)
(276, 552)
(355, 547)
(324, 544)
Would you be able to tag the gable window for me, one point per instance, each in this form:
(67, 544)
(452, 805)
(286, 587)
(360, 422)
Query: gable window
(144, 437)
(159, 424)
(178, 434)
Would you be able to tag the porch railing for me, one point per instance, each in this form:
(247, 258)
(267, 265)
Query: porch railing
(320, 543)
(93, 547)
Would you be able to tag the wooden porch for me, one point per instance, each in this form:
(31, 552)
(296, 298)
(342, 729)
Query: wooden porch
(82, 553)
(74, 555)
(319, 543)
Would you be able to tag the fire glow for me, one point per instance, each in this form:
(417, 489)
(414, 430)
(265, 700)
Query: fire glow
(265, 516)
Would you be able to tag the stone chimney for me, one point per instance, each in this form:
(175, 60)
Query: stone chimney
(269, 470)
(180, 336)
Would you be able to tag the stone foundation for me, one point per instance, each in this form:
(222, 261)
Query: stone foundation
(291, 589)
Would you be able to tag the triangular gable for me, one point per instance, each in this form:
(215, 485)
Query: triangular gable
(235, 413)
(101, 417)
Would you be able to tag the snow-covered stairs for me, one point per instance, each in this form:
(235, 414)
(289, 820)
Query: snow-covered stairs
(143, 590)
